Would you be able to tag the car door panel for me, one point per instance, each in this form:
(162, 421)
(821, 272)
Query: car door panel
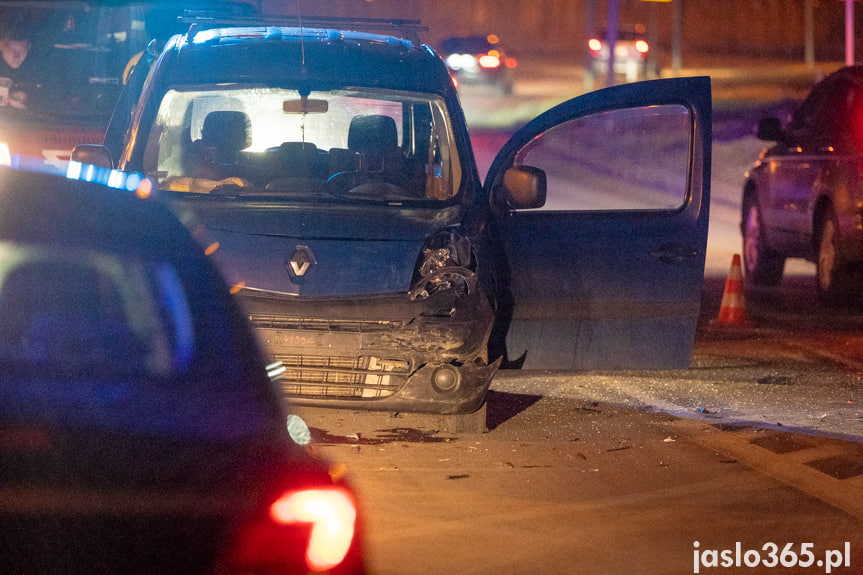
(608, 274)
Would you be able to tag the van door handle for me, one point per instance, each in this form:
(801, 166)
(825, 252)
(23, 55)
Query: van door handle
(674, 253)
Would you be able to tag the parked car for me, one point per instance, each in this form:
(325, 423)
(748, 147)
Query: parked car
(802, 198)
(139, 431)
(340, 195)
(479, 59)
(631, 50)
(73, 71)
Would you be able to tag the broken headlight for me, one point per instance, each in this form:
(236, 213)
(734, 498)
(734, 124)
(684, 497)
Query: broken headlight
(445, 263)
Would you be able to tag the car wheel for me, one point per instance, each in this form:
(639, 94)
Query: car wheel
(763, 266)
(834, 282)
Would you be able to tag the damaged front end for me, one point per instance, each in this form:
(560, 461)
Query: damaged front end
(420, 351)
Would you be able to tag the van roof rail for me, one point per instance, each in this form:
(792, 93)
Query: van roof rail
(405, 28)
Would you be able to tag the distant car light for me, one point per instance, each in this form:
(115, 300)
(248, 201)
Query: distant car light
(461, 61)
(332, 514)
(642, 46)
(511, 62)
(621, 51)
(489, 61)
(5, 156)
(595, 44)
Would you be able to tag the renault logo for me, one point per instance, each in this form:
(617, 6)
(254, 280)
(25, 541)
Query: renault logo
(300, 262)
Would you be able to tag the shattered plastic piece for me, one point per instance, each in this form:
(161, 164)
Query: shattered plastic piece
(774, 380)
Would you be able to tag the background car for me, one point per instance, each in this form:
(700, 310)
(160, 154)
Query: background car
(631, 49)
(140, 431)
(802, 198)
(479, 60)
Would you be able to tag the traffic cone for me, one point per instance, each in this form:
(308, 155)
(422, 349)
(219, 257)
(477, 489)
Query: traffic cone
(732, 311)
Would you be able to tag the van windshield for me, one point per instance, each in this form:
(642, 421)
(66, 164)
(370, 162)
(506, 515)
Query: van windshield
(350, 144)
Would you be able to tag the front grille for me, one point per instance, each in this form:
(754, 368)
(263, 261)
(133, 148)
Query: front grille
(364, 377)
(316, 324)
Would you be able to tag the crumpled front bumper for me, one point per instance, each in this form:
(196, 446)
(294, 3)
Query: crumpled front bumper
(384, 353)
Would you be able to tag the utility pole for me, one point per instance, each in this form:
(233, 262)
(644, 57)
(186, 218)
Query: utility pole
(589, 30)
(809, 32)
(676, 36)
(849, 32)
(611, 40)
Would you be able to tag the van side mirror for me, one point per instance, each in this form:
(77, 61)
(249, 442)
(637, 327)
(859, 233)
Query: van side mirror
(522, 188)
(770, 130)
(93, 154)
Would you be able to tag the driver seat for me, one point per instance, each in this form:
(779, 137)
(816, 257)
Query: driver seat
(216, 155)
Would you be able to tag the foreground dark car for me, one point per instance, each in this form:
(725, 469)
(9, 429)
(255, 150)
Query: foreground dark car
(803, 197)
(139, 432)
(479, 60)
(331, 173)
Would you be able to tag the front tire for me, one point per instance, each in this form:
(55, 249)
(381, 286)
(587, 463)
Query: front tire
(833, 280)
(763, 266)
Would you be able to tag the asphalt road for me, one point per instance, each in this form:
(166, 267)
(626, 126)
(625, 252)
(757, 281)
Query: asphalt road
(575, 486)
(751, 461)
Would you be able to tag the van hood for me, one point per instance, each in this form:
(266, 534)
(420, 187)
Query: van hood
(315, 250)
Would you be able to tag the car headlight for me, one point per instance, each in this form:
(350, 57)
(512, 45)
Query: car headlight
(446, 263)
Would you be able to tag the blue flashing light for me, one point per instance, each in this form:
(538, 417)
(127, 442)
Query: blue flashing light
(116, 179)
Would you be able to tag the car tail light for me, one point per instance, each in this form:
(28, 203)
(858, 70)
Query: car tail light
(489, 61)
(595, 44)
(511, 62)
(332, 516)
(642, 46)
(314, 526)
(446, 263)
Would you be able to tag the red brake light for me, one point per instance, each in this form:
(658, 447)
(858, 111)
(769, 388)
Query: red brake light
(332, 515)
(311, 526)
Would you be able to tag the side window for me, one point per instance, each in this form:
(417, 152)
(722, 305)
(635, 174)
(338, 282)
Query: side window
(628, 159)
(110, 316)
(806, 127)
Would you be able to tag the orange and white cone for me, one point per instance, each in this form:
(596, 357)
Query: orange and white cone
(732, 312)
